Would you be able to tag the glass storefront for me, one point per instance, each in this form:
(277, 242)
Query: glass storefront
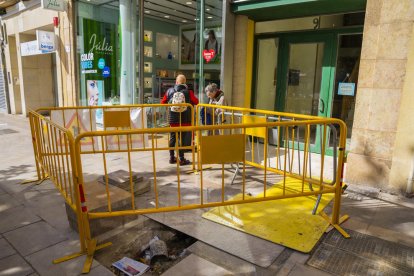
(309, 66)
(178, 38)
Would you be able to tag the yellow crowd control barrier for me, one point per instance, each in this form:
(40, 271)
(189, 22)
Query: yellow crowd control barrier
(82, 148)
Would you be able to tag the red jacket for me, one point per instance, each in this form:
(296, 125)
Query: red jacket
(174, 117)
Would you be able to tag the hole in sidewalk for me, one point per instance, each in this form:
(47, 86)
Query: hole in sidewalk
(134, 243)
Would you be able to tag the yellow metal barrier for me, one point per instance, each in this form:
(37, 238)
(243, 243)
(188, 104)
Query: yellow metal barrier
(231, 142)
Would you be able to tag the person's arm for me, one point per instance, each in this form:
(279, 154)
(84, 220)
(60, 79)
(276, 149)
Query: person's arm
(193, 98)
(165, 98)
(220, 101)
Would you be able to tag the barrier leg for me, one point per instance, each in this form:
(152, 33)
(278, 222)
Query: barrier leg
(88, 245)
(337, 225)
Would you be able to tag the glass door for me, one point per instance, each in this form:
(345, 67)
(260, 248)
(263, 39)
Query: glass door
(305, 78)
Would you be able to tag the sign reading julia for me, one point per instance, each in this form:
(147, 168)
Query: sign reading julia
(56, 5)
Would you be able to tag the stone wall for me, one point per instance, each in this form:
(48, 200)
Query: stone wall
(386, 41)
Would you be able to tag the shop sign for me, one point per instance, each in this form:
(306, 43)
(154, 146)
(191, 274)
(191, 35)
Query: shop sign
(209, 55)
(29, 48)
(106, 72)
(346, 89)
(98, 59)
(46, 41)
(87, 63)
(56, 5)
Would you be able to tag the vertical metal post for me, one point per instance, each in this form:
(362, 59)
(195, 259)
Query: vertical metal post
(200, 54)
(141, 51)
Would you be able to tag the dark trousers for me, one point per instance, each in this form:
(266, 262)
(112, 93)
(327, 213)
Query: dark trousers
(185, 141)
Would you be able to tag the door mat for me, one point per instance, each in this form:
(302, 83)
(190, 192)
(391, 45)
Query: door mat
(362, 255)
(288, 222)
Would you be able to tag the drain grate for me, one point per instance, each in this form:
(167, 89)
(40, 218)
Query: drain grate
(362, 255)
(340, 262)
(7, 131)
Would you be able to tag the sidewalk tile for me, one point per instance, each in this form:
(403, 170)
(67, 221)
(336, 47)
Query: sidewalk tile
(16, 217)
(194, 265)
(42, 260)
(50, 206)
(7, 202)
(14, 265)
(302, 270)
(33, 237)
(100, 271)
(6, 249)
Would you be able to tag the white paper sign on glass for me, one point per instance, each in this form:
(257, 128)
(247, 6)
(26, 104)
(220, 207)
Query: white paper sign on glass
(346, 89)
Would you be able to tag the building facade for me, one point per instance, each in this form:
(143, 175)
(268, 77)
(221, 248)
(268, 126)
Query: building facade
(371, 45)
(35, 77)
(346, 59)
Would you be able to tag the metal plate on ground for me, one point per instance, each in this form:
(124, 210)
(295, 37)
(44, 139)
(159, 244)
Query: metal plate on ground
(362, 255)
(244, 246)
(7, 131)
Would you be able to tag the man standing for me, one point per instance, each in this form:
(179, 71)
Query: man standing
(179, 116)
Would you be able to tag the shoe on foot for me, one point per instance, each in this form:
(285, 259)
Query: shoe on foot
(184, 162)
(173, 160)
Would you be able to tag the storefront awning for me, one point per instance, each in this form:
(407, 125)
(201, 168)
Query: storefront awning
(264, 10)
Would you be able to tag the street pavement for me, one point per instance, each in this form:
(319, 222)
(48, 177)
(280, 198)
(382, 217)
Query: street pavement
(34, 228)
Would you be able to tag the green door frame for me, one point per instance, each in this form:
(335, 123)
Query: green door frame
(330, 38)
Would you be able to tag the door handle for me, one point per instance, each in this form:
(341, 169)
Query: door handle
(321, 106)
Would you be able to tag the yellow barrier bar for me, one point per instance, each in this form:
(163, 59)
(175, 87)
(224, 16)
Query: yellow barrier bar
(178, 166)
(34, 143)
(106, 176)
(63, 164)
(97, 215)
(200, 167)
(69, 165)
(131, 184)
(265, 161)
(323, 155)
(222, 182)
(155, 173)
(285, 160)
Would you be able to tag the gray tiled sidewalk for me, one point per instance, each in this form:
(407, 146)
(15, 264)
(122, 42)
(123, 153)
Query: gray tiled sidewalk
(33, 225)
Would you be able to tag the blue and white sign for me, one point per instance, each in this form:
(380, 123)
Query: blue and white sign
(106, 72)
(346, 89)
(46, 41)
(101, 63)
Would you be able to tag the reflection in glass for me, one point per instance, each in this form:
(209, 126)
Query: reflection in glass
(265, 95)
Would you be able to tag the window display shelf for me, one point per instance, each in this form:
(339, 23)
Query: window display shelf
(148, 36)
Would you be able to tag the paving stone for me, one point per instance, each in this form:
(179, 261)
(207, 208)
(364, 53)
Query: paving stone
(303, 270)
(194, 265)
(42, 260)
(6, 249)
(14, 265)
(219, 257)
(34, 237)
(16, 217)
(7, 202)
(245, 246)
(100, 271)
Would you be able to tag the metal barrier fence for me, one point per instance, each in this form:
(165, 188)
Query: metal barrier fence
(81, 161)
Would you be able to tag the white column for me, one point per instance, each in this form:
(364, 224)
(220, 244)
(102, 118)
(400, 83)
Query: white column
(127, 51)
